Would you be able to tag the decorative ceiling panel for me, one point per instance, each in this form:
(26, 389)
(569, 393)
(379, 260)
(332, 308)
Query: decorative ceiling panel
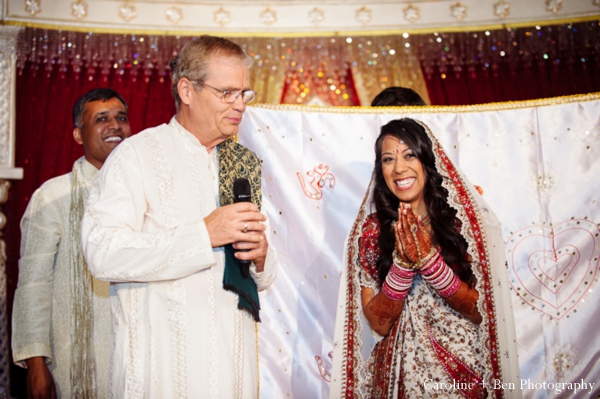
(292, 17)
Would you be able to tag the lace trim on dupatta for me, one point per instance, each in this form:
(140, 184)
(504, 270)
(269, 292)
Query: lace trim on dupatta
(383, 365)
(469, 213)
(354, 369)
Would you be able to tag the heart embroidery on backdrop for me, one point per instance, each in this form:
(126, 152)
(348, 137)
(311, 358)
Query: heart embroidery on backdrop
(552, 267)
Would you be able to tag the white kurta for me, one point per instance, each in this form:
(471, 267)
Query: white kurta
(177, 332)
(41, 316)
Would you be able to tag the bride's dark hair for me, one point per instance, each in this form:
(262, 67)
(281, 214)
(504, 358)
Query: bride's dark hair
(443, 216)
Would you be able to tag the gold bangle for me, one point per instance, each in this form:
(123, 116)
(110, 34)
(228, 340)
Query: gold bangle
(401, 262)
(426, 259)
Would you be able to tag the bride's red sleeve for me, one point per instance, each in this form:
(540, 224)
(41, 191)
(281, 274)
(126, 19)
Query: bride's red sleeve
(368, 246)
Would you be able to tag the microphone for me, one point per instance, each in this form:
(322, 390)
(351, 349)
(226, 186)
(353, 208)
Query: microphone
(242, 193)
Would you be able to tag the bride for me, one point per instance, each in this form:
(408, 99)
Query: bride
(424, 308)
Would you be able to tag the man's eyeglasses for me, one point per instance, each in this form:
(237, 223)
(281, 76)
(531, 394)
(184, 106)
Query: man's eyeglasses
(229, 96)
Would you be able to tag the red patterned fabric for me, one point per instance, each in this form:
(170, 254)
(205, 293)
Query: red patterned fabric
(369, 249)
(470, 384)
(384, 365)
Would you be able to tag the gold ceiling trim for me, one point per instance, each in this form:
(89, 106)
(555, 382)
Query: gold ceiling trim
(187, 32)
(435, 109)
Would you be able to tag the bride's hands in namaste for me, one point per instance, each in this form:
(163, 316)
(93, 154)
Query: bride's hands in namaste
(413, 242)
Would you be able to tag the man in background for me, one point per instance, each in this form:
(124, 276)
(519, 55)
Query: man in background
(161, 227)
(61, 317)
(397, 97)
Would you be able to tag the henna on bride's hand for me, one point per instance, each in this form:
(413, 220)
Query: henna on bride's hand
(408, 241)
(423, 237)
(466, 308)
(465, 302)
(402, 245)
(386, 311)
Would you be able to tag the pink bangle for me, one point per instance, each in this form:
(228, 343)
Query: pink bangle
(398, 282)
(452, 288)
(431, 261)
(441, 278)
(393, 294)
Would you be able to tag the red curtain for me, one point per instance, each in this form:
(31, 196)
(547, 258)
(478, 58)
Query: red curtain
(513, 83)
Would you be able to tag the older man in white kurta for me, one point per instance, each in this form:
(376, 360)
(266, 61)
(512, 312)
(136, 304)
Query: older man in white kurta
(153, 227)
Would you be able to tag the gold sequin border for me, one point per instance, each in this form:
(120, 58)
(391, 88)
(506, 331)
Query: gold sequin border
(434, 109)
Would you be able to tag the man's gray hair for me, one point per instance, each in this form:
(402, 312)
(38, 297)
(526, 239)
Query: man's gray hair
(192, 62)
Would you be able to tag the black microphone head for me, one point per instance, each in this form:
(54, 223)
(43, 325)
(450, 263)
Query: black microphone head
(242, 191)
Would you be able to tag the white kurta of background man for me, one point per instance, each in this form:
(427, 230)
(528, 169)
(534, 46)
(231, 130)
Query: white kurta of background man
(42, 308)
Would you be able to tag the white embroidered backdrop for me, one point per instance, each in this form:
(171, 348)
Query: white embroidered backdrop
(537, 164)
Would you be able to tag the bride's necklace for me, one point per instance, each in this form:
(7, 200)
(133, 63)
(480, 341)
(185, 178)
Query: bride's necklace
(425, 220)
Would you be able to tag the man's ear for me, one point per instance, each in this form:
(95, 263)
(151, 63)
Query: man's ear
(77, 136)
(185, 88)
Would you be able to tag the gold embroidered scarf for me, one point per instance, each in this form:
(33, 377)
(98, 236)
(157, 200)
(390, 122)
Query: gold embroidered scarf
(236, 161)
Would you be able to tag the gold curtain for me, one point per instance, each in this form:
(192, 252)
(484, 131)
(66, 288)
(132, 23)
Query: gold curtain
(314, 65)
(383, 62)
(267, 75)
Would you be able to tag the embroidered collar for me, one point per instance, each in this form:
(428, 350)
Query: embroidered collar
(184, 133)
(88, 170)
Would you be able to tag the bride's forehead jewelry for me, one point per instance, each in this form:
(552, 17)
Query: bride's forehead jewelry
(399, 147)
